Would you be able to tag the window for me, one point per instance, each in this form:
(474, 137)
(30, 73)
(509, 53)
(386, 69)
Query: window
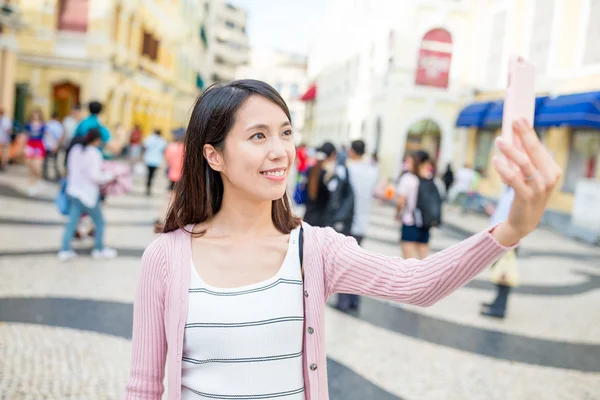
(73, 15)
(495, 58)
(592, 50)
(539, 50)
(583, 158)
(230, 24)
(294, 91)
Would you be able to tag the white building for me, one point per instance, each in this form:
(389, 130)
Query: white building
(390, 72)
(228, 42)
(286, 73)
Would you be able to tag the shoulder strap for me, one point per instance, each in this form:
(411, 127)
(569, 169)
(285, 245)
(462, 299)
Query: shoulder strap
(301, 245)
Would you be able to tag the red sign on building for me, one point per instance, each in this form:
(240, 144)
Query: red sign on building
(435, 57)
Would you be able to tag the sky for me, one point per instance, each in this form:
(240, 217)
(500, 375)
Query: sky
(285, 25)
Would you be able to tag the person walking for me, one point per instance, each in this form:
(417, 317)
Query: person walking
(84, 178)
(109, 145)
(35, 150)
(174, 156)
(154, 149)
(363, 179)
(414, 238)
(53, 140)
(231, 298)
(504, 271)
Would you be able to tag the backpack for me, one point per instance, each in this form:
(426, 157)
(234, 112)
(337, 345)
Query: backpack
(428, 212)
(340, 207)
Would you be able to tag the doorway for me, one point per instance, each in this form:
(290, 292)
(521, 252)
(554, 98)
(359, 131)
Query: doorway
(64, 96)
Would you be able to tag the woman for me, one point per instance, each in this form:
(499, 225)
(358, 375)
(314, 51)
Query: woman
(84, 178)
(223, 300)
(414, 240)
(35, 151)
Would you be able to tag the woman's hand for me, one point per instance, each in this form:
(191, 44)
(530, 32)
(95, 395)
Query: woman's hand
(533, 174)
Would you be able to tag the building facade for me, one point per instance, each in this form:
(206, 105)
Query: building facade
(391, 73)
(560, 38)
(142, 59)
(287, 74)
(404, 78)
(229, 45)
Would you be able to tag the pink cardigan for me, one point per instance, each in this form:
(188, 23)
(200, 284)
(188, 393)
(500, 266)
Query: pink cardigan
(333, 263)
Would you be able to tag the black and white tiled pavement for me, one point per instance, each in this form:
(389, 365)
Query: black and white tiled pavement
(65, 328)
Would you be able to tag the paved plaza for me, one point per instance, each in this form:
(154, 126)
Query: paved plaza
(65, 328)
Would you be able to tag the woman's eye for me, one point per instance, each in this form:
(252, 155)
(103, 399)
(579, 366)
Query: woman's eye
(288, 133)
(258, 135)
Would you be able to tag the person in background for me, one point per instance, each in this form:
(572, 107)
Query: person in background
(497, 308)
(363, 179)
(318, 194)
(473, 200)
(154, 149)
(414, 240)
(53, 140)
(448, 178)
(70, 123)
(462, 183)
(342, 155)
(5, 138)
(35, 151)
(174, 154)
(135, 143)
(84, 178)
(110, 145)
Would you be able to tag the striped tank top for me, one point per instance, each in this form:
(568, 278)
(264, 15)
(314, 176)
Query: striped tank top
(246, 342)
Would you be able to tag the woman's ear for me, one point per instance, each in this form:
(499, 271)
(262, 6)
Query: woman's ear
(213, 157)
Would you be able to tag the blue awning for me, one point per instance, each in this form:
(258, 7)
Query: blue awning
(496, 111)
(580, 110)
(473, 114)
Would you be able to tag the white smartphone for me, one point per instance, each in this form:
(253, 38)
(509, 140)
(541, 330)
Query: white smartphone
(519, 100)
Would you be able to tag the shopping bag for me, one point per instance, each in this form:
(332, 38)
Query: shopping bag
(62, 200)
(505, 272)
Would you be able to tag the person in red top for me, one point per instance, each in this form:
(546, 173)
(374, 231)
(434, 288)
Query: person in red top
(174, 156)
(302, 159)
(135, 143)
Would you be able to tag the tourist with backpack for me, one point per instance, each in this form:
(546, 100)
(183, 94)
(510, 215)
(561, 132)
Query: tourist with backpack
(419, 205)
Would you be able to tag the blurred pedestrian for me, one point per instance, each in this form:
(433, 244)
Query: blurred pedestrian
(109, 145)
(70, 123)
(174, 155)
(363, 180)
(5, 138)
(237, 277)
(318, 194)
(135, 143)
(448, 178)
(35, 151)
(154, 149)
(414, 241)
(505, 271)
(84, 178)
(53, 140)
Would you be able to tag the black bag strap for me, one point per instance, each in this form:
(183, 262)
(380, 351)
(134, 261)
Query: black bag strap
(301, 245)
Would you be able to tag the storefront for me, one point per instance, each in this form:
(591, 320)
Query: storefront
(569, 126)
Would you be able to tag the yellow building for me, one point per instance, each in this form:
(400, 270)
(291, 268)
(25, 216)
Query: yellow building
(139, 58)
(560, 39)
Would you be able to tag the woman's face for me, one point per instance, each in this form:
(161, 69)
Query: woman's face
(426, 170)
(259, 151)
(36, 117)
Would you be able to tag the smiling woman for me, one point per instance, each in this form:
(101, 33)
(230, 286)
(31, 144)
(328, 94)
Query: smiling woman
(239, 134)
(231, 298)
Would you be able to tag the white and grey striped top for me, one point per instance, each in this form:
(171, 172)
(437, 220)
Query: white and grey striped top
(246, 342)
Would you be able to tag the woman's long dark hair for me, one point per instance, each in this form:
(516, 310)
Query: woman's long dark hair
(199, 193)
(91, 136)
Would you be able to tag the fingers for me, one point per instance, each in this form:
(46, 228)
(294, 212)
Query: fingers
(518, 157)
(539, 155)
(512, 177)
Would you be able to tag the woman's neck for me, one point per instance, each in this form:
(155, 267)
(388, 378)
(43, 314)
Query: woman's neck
(242, 217)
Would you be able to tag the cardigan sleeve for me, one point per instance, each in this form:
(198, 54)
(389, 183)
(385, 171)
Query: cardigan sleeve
(350, 269)
(149, 345)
